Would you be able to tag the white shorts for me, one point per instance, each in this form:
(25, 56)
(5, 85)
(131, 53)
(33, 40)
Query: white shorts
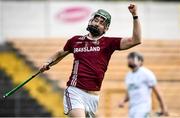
(77, 98)
(139, 111)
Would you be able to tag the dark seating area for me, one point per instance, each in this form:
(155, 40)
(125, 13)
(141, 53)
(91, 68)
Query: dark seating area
(21, 104)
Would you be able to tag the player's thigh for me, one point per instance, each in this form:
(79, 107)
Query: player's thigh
(141, 115)
(77, 113)
(138, 113)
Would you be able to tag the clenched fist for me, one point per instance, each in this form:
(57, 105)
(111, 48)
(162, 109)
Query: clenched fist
(133, 9)
(45, 67)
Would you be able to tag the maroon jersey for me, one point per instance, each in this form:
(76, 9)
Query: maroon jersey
(91, 59)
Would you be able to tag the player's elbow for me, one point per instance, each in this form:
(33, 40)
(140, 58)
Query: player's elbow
(137, 41)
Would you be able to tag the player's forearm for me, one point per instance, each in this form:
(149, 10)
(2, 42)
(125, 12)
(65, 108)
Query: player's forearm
(161, 102)
(57, 57)
(159, 98)
(126, 98)
(136, 37)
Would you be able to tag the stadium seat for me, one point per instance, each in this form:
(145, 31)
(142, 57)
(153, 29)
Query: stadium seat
(39, 89)
(161, 56)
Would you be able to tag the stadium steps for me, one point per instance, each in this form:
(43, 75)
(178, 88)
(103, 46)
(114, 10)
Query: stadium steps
(39, 88)
(161, 56)
(21, 105)
(164, 53)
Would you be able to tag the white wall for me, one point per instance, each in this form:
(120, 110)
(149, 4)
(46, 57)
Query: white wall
(162, 20)
(159, 20)
(1, 31)
(23, 19)
(40, 19)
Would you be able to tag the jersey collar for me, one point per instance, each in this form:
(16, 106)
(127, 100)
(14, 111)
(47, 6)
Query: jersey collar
(93, 38)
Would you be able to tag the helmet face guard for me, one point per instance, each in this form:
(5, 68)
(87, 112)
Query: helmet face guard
(107, 19)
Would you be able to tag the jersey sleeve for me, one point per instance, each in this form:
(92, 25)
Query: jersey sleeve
(115, 43)
(68, 46)
(151, 79)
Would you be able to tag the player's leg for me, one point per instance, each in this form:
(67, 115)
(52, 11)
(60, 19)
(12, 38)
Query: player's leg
(141, 115)
(77, 113)
(91, 104)
(131, 113)
(73, 103)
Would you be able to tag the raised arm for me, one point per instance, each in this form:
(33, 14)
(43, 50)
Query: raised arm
(58, 56)
(129, 42)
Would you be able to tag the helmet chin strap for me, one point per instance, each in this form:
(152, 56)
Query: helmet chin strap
(93, 30)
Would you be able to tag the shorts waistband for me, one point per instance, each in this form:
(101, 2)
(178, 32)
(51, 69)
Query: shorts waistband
(90, 92)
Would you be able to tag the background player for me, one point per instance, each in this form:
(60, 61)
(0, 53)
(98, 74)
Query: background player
(140, 82)
(92, 53)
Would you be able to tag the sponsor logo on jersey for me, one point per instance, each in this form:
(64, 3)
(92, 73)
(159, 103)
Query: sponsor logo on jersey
(87, 49)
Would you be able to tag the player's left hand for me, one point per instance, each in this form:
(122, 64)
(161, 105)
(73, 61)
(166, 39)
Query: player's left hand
(121, 104)
(45, 67)
(133, 9)
(163, 113)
